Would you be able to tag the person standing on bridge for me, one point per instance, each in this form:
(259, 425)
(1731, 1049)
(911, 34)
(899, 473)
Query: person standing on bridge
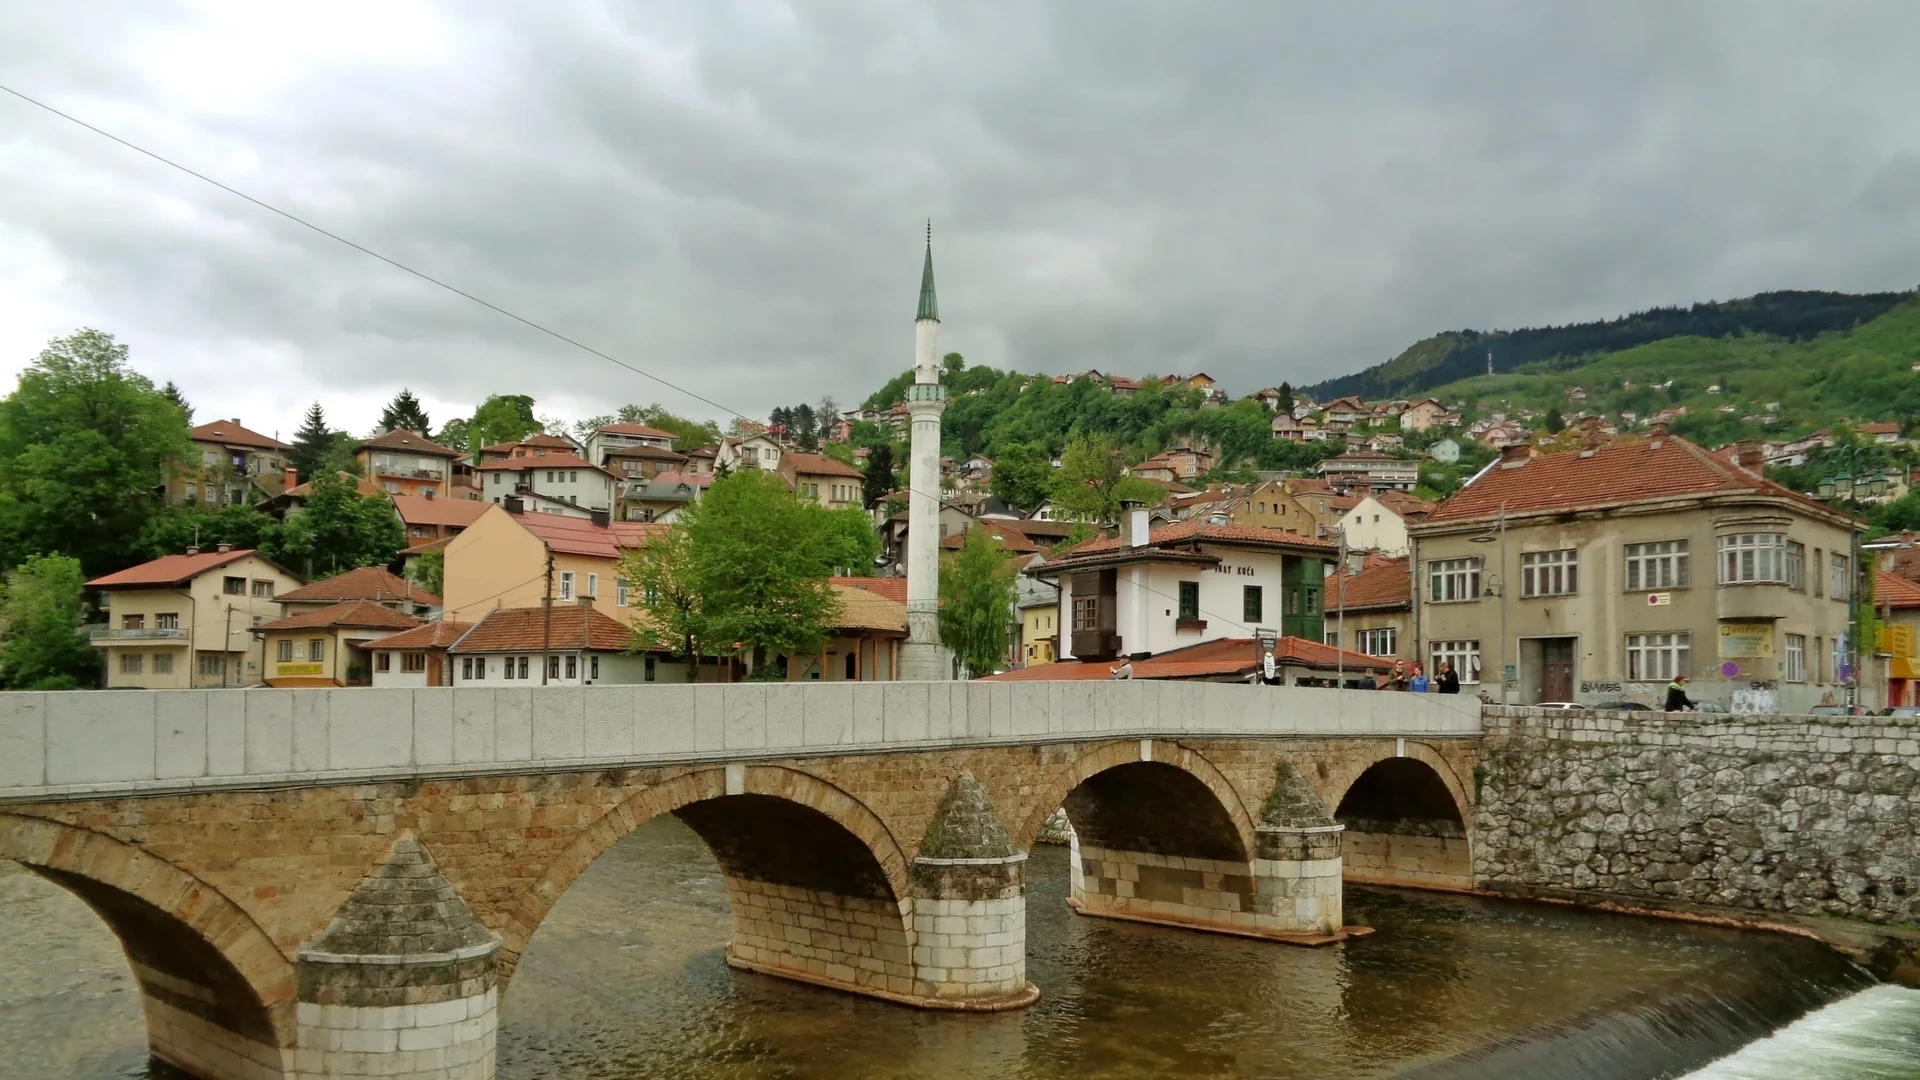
(1397, 679)
(1419, 683)
(1446, 681)
(1677, 699)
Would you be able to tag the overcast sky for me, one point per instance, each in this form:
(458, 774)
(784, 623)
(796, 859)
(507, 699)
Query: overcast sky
(731, 194)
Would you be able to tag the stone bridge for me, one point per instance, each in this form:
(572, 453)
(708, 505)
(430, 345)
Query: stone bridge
(339, 883)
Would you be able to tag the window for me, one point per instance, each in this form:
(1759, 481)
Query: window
(1819, 660)
(566, 584)
(163, 663)
(209, 458)
(1839, 583)
(213, 664)
(573, 666)
(1659, 565)
(549, 476)
(1653, 657)
(413, 662)
(1751, 558)
(193, 492)
(1250, 603)
(1796, 657)
(1463, 655)
(133, 622)
(650, 669)
(263, 588)
(593, 667)
(317, 649)
(593, 586)
(169, 620)
(383, 661)
(1330, 636)
(1817, 586)
(523, 667)
(285, 653)
(1453, 580)
(466, 669)
(1086, 613)
(1189, 601)
(1549, 573)
(1382, 642)
(553, 667)
(573, 477)
(620, 594)
(1797, 566)
(1313, 600)
(234, 586)
(132, 663)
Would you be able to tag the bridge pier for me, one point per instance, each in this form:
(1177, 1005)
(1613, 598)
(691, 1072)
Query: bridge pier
(970, 907)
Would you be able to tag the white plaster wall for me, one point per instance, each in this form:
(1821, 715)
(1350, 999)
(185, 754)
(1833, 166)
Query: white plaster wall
(1387, 535)
(395, 677)
(85, 742)
(1220, 600)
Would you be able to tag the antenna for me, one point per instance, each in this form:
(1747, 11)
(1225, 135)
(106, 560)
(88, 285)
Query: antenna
(929, 232)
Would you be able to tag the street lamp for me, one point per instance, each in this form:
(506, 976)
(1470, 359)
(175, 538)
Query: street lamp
(1496, 587)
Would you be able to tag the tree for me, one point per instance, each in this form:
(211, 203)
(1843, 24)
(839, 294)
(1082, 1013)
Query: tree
(852, 544)
(1023, 475)
(1285, 404)
(41, 646)
(502, 418)
(405, 413)
(173, 532)
(457, 434)
(311, 443)
(429, 571)
(760, 559)
(1555, 422)
(1092, 482)
(805, 431)
(953, 364)
(85, 443)
(976, 602)
(174, 395)
(879, 483)
(662, 578)
(337, 530)
(687, 433)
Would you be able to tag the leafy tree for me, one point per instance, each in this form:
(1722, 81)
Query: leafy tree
(1023, 474)
(41, 646)
(880, 481)
(457, 434)
(662, 578)
(311, 443)
(405, 413)
(687, 433)
(853, 546)
(173, 532)
(1092, 482)
(953, 364)
(1285, 404)
(976, 602)
(759, 560)
(1079, 534)
(429, 571)
(339, 457)
(338, 530)
(84, 445)
(502, 418)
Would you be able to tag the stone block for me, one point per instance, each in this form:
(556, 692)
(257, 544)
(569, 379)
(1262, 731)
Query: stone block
(227, 733)
(311, 715)
(663, 718)
(23, 740)
(366, 728)
(512, 724)
(99, 737)
(744, 716)
(180, 734)
(433, 726)
(827, 715)
(710, 719)
(903, 712)
(608, 724)
(869, 712)
(786, 717)
(473, 718)
(559, 723)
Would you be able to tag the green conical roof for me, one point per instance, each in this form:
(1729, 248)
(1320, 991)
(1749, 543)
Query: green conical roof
(929, 307)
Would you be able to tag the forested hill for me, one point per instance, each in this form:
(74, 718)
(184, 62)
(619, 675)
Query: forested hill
(1461, 354)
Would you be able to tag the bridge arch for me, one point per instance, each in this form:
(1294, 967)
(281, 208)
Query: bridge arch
(1173, 773)
(785, 840)
(1408, 821)
(217, 994)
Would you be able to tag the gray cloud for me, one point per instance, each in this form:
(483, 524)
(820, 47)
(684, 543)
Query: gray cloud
(730, 194)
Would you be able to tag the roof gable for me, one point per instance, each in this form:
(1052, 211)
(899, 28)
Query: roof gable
(230, 433)
(409, 442)
(176, 569)
(355, 614)
(373, 583)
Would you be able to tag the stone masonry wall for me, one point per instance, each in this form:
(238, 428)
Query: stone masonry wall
(1810, 816)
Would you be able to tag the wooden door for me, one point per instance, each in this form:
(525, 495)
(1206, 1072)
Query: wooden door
(1556, 670)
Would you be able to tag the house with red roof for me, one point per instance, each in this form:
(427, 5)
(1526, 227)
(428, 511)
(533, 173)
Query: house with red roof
(612, 438)
(503, 560)
(186, 621)
(1150, 590)
(1600, 574)
(416, 657)
(326, 646)
(818, 478)
(567, 646)
(428, 519)
(555, 479)
(1370, 609)
(408, 463)
(231, 465)
(373, 584)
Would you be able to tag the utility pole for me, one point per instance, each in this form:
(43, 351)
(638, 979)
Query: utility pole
(226, 647)
(546, 636)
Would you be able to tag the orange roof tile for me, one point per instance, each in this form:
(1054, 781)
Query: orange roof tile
(420, 510)
(527, 630)
(580, 536)
(434, 635)
(169, 569)
(893, 588)
(1225, 656)
(1384, 583)
(1192, 530)
(375, 583)
(794, 462)
(230, 433)
(645, 452)
(1890, 590)
(408, 441)
(637, 430)
(541, 461)
(351, 613)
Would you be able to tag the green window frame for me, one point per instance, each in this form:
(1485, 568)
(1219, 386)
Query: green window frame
(1252, 605)
(1189, 600)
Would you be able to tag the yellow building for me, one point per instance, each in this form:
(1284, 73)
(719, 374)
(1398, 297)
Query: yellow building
(185, 621)
(1039, 630)
(500, 561)
(820, 479)
(326, 646)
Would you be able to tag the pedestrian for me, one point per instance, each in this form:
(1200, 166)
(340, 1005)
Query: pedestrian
(1418, 683)
(1398, 679)
(1677, 699)
(1448, 681)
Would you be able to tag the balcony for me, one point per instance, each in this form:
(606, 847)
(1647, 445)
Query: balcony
(111, 634)
(408, 472)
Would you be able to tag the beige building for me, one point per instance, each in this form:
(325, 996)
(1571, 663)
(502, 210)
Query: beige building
(231, 466)
(327, 646)
(1379, 522)
(185, 621)
(820, 479)
(500, 561)
(1371, 611)
(1039, 630)
(1598, 575)
(405, 463)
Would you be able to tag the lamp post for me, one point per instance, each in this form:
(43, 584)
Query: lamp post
(1496, 586)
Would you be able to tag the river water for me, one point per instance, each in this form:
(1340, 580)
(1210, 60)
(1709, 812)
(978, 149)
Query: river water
(626, 981)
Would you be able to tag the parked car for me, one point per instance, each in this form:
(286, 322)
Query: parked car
(1906, 711)
(1836, 710)
(1556, 705)
(1709, 706)
(1625, 706)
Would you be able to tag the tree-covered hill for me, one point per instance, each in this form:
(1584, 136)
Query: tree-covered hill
(1787, 316)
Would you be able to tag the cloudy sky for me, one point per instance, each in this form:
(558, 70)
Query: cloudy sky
(730, 193)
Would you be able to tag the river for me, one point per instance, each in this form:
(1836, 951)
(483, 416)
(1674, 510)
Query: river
(625, 981)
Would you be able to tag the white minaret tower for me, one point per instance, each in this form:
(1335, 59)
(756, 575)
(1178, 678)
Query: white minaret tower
(922, 657)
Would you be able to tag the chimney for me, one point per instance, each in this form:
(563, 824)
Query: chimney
(427, 492)
(1658, 431)
(1219, 517)
(515, 505)
(223, 547)
(292, 476)
(1138, 529)
(235, 421)
(1514, 454)
(601, 518)
(1750, 454)
(193, 549)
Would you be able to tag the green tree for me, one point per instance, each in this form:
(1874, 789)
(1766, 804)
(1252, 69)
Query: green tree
(1285, 404)
(1555, 422)
(976, 602)
(880, 481)
(85, 443)
(174, 395)
(1023, 474)
(41, 646)
(405, 413)
(853, 546)
(311, 443)
(337, 530)
(173, 532)
(429, 571)
(1092, 482)
(687, 433)
(502, 418)
(457, 434)
(661, 579)
(953, 364)
(760, 559)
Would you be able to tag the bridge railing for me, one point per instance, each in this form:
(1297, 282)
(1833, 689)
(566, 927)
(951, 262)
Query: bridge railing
(86, 743)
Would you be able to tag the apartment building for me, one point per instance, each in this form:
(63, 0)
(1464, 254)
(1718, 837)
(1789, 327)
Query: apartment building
(1361, 471)
(1600, 574)
(614, 438)
(186, 621)
(555, 477)
(406, 463)
(1371, 611)
(820, 479)
(231, 465)
(500, 561)
(755, 451)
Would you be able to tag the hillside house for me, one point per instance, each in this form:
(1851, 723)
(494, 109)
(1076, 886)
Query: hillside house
(183, 622)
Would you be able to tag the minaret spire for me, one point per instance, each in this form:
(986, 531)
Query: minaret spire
(929, 307)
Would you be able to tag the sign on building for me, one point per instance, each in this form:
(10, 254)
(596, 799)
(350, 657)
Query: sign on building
(1746, 639)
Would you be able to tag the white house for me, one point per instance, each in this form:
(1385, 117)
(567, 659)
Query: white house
(416, 657)
(757, 451)
(1379, 523)
(1446, 450)
(564, 478)
(612, 437)
(579, 645)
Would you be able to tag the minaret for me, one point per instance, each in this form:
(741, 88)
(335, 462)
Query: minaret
(922, 657)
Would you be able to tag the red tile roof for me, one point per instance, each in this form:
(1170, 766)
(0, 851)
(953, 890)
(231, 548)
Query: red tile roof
(230, 433)
(375, 583)
(691, 479)
(434, 635)
(351, 613)
(1225, 656)
(1884, 427)
(169, 569)
(1623, 472)
(893, 588)
(638, 430)
(526, 630)
(1890, 590)
(1195, 530)
(1383, 584)
(409, 442)
(455, 513)
(360, 483)
(567, 460)
(1011, 537)
(794, 462)
(645, 452)
(580, 536)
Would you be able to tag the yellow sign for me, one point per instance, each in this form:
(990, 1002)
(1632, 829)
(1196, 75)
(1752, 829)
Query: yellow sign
(1746, 639)
(299, 669)
(1899, 640)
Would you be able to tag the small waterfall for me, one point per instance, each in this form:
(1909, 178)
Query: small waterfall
(1873, 1035)
(1671, 1028)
